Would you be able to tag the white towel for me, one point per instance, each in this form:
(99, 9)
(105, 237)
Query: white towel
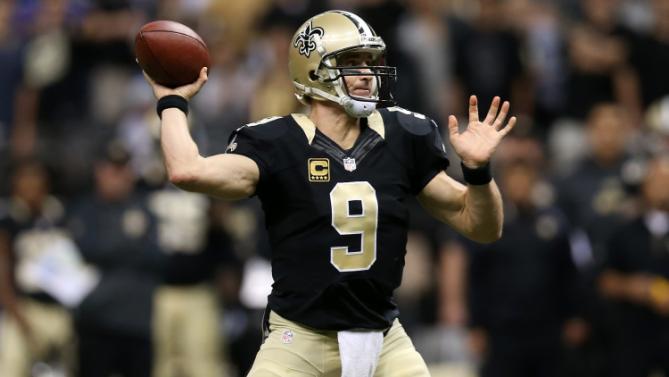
(359, 352)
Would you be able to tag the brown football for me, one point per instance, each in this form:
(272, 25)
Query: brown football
(172, 54)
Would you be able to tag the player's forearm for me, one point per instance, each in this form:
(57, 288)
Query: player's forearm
(475, 211)
(482, 212)
(180, 152)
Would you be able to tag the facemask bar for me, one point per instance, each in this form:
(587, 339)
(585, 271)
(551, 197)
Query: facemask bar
(384, 79)
(384, 76)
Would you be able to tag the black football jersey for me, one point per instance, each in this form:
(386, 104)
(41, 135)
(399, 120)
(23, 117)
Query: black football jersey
(35, 240)
(337, 219)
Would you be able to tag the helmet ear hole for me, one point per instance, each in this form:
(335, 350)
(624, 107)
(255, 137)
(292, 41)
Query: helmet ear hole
(313, 76)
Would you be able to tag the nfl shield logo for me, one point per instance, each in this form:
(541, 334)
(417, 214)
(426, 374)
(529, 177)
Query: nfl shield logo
(349, 164)
(287, 337)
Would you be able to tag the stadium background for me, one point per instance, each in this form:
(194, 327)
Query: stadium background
(587, 80)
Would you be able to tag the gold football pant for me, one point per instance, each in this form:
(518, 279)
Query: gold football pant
(187, 340)
(298, 351)
(52, 335)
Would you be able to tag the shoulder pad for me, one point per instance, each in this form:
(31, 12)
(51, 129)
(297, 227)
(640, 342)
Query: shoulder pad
(414, 123)
(267, 129)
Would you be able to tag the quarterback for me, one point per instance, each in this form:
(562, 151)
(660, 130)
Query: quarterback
(333, 185)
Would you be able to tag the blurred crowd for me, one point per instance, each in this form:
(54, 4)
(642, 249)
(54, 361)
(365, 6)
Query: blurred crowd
(106, 269)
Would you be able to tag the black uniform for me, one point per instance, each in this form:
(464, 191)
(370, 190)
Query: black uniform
(319, 199)
(640, 336)
(522, 290)
(33, 238)
(113, 322)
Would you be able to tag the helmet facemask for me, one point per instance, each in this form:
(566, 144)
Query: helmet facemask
(334, 70)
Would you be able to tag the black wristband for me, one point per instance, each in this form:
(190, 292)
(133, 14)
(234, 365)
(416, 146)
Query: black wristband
(170, 101)
(478, 176)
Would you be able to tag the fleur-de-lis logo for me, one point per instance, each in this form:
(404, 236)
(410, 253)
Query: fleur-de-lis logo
(305, 40)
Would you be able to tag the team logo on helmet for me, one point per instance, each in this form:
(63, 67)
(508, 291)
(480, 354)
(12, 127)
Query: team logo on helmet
(305, 40)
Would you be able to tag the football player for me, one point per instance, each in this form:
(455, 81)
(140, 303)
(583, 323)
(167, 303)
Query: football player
(333, 185)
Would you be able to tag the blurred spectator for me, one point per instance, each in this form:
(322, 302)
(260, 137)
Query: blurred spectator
(77, 61)
(273, 94)
(17, 100)
(650, 55)
(290, 13)
(599, 69)
(594, 196)
(487, 60)
(422, 299)
(597, 199)
(48, 58)
(138, 129)
(102, 50)
(655, 138)
(186, 331)
(524, 306)
(10, 60)
(116, 232)
(225, 100)
(416, 297)
(441, 334)
(237, 19)
(36, 328)
(636, 278)
(240, 325)
(452, 291)
(424, 34)
(539, 23)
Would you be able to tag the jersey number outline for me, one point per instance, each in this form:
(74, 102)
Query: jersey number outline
(365, 224)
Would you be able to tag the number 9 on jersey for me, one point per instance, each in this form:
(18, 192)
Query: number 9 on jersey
(364, 222)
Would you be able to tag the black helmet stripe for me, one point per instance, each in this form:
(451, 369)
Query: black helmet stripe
(359, 23)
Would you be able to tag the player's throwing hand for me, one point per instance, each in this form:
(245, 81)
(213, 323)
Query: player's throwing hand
(478, 142)
(187, 91)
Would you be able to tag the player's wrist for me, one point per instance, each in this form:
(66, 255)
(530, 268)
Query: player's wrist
(476, 176)
(472, 164)
(171, 101)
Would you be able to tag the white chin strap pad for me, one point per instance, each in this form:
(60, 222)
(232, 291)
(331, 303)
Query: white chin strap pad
(358, 109)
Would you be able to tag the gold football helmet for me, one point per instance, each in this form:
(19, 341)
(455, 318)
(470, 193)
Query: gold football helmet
(319, 45)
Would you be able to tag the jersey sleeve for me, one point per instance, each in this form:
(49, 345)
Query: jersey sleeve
(429, 157)
(254, 143)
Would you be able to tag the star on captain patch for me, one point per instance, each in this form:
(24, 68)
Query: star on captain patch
(349, 164)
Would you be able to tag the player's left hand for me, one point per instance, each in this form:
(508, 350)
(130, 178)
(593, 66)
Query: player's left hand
(478, 142)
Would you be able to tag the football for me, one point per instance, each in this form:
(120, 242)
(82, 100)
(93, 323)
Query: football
(171, 53)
